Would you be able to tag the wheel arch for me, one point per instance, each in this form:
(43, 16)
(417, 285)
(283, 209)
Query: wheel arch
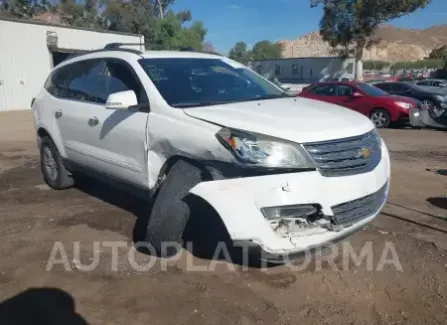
(43, 130)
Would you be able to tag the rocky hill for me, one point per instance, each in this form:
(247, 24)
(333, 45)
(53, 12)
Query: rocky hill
(397, 44)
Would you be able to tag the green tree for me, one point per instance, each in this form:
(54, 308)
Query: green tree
(240, 53)
(375, 65)
(266, 50)
(439, 53)
(22, 9)
(161, 27)
(350, 24)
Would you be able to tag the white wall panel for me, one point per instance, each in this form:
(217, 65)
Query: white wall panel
(25, 60)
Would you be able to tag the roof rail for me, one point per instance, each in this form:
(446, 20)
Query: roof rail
(80, 53)
(118, 45)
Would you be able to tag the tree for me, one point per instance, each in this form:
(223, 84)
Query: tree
(439, 53)
(160, 26)
(240, 53)
(266, 50)
(349, 25)
(23, 9)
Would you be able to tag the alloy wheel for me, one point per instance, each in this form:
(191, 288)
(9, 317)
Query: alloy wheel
(50, 164)
(379, 118)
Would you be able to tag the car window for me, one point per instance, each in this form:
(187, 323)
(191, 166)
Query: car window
(189, 82)
(324, 90)
(423, 83)
(371, 90)
(400, 88)
(84, 81)
(384, 86)
(345, 90)
(77, 81)
(119, 77)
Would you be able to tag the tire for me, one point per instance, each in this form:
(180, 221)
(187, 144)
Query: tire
(381, 118)
(54, 172)
(432, 109)
(170, 213)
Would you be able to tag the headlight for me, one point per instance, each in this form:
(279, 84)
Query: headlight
(256, 150)
(441, 98)
(403, 105)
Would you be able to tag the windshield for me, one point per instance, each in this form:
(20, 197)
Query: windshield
(186, 82)
(371, 90)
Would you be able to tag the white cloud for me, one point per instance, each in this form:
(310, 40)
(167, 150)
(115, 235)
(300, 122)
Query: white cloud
(235, 7)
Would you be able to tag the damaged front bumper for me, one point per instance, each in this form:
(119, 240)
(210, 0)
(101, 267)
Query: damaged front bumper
(345, 205)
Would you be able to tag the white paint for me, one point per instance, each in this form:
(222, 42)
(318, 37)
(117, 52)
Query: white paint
(295, 119)
(134, 146)
(238, 202)
(121, 100)
(25, 56)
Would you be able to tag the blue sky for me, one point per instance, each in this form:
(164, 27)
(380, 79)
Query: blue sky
(229, 21)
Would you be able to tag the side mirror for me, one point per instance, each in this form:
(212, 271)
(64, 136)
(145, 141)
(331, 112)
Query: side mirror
(357, 94)
(122, 100)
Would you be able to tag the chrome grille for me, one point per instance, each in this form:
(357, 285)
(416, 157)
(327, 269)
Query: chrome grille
(349, 156)
(351, 212)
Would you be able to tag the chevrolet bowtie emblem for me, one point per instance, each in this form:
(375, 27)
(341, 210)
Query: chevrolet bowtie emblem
(365, 153)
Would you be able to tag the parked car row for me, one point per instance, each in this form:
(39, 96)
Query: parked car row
(385, 103)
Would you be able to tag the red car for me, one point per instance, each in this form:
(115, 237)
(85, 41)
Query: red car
(382, 108)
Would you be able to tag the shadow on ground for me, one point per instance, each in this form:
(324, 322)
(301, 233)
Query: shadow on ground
(40, 306)
(440, 202)
(442, 172)
(205, 236)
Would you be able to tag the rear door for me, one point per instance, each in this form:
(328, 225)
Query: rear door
(74, 93)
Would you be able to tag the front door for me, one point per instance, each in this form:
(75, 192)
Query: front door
(119, 136)
(345, 97)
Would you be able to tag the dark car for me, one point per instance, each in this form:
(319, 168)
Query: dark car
(382, 108)
(433, 83)
(431, 100)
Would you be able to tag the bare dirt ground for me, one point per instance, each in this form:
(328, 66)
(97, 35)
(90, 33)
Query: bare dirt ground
(33, 218)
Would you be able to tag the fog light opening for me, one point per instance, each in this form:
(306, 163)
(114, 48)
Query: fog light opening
(297, 220)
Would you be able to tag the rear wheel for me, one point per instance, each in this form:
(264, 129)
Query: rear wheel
(53, 170)
(381, 118)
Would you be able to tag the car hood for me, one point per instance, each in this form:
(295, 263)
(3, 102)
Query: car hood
(296, 119)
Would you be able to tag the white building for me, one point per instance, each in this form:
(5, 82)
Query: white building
(29, 50)
(306, 70)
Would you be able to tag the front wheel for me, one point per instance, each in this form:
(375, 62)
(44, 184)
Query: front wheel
(434, 111)
(381, 118)
(170, 212)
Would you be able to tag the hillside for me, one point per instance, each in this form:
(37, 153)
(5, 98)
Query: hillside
(397, 44)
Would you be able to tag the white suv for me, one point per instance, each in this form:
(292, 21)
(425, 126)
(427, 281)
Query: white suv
(284, 174)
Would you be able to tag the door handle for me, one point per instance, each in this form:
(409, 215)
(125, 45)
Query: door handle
(93, 121)
(58, 113)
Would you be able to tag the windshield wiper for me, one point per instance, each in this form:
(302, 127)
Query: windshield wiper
(197, 104)
(283, 95)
